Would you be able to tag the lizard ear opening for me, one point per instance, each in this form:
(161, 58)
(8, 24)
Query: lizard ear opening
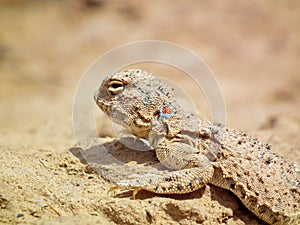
(115, 87)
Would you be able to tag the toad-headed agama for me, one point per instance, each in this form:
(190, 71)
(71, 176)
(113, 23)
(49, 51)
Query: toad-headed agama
(198, 151)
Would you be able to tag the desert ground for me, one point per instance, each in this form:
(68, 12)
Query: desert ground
(253, 49)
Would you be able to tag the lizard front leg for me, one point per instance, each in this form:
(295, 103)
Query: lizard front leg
(193, 172)
(175, 182)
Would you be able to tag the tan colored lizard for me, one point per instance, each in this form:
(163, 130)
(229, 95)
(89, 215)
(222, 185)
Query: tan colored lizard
(199, 152)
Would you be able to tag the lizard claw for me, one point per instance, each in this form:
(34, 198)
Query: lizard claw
(115, 187)
(135, 191)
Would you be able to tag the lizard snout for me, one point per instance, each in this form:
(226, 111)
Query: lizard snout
(96, 94)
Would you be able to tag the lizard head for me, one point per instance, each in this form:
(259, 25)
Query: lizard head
(132, 98)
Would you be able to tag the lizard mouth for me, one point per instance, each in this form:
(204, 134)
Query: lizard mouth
(102, 104)
(106, 108)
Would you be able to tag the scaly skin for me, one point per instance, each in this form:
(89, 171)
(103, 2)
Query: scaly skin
(200, 152)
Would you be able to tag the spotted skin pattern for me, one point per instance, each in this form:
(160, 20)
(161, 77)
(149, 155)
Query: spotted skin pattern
(198, 151)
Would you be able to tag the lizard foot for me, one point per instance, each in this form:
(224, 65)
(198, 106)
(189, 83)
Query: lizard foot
(115, 187)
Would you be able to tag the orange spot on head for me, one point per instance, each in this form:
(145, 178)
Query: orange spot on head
(166, 110)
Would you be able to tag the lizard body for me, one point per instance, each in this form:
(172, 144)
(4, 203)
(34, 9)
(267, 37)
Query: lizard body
(199, 151)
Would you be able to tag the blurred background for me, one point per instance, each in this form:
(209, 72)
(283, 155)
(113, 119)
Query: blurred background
(253, 48)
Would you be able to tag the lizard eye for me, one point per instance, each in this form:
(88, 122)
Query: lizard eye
(115, 87)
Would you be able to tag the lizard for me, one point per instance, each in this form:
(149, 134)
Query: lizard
(198, 151)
